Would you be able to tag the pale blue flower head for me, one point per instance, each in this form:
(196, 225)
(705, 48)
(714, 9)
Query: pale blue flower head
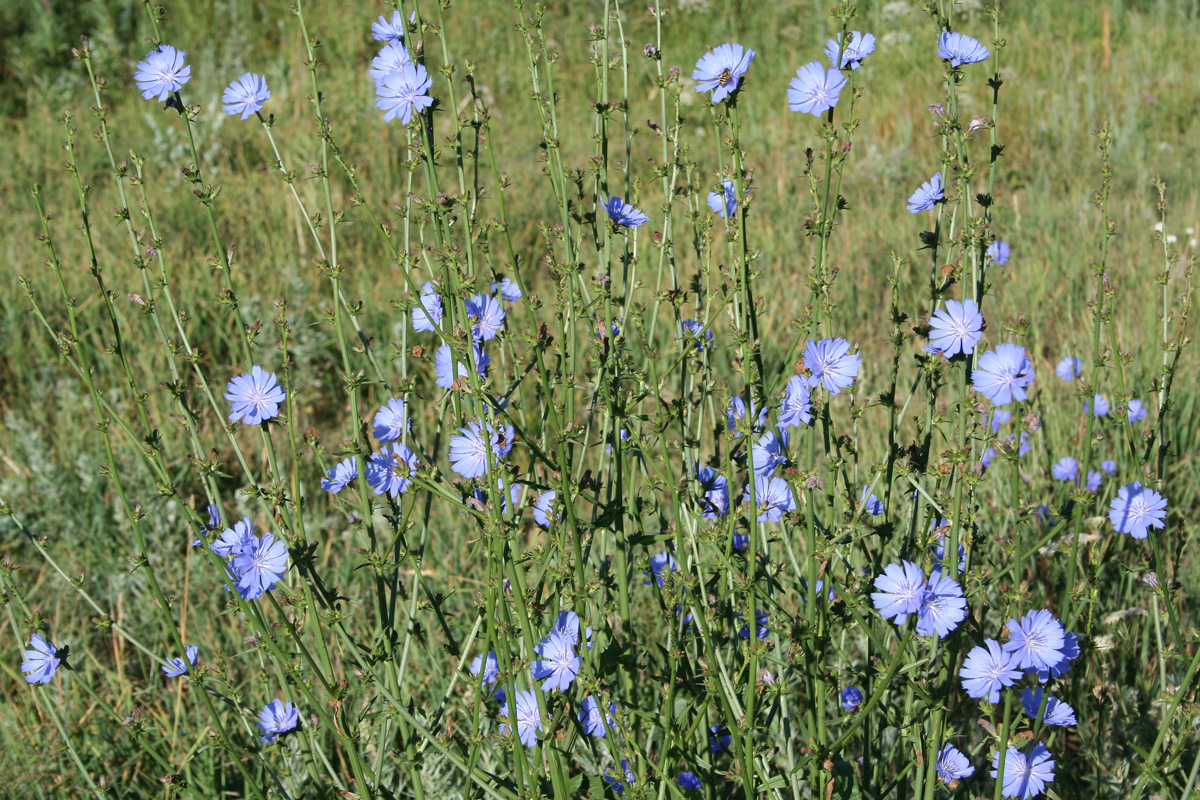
(857, 49)
(714, 502)
(770, 451)
(623, 214)
(387, 30)
(245, 95)
(1057, 712)
(1109, 467)
(720, 70)
(510, 290)
(689, 782)
(162, 73)
(404, 92)
(870, 503)
(852, 696)
(622, 780)
(724, 203)
(178, 666)
(831, 364)
(957, 328)
(815, 89)
(952, 765)
(1036, 640)
(340, 475)
(595, 723)
(943, 607)
(1003, 374)
(960, 49)
(999, 251)
(901, 590)
(233, 541)
(486, 315)
(774, 498)
(1099, 404)
(543, 508)
(391, 421)
(558, 664)
(987, 670)
(736, 411)
(1026, 772)
(661, 566)
(390, 470)
(259, 566)
(796, 407)
(277, 717)
(1066, 469)
(696, 334)
(428, 315)
(927, 195)
(1069, 368)
(254, 397)
(487, 669)
(1136, 509)
(41, 660)
(471, 447)
(1136, 410)
(391, 60)
(529, 721)
(444, 372)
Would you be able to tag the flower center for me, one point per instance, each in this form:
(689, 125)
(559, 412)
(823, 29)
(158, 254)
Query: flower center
(725, 77)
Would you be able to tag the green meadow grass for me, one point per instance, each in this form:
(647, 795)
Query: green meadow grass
(1068, 68)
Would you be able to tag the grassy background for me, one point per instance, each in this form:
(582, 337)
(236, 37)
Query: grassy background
(1068, 67)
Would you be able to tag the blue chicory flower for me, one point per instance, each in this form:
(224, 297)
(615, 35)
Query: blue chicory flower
(403, 92)
(927, 195)
(254, 396)
(815, 89)
(1065, 470)
(469, 449)
(957, 328)
(178, 667)
(162, 73)
(277, 717)
(952, 765)
(720, 70)
(529, 721)
(987, 670)
(1026, 772)
(1136, 509)
(856, 51)
(390, 470)
(1003, 374)
(41, 660)
(245, 95)
(901, 589)
(661, 566)
(1069, 368)
(773, 496)
(960, 49)
(623, 214)
(1057, 712)
(594, 723)
(340, 475)
(1036, 640)
(830, 364)
(999, 252)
